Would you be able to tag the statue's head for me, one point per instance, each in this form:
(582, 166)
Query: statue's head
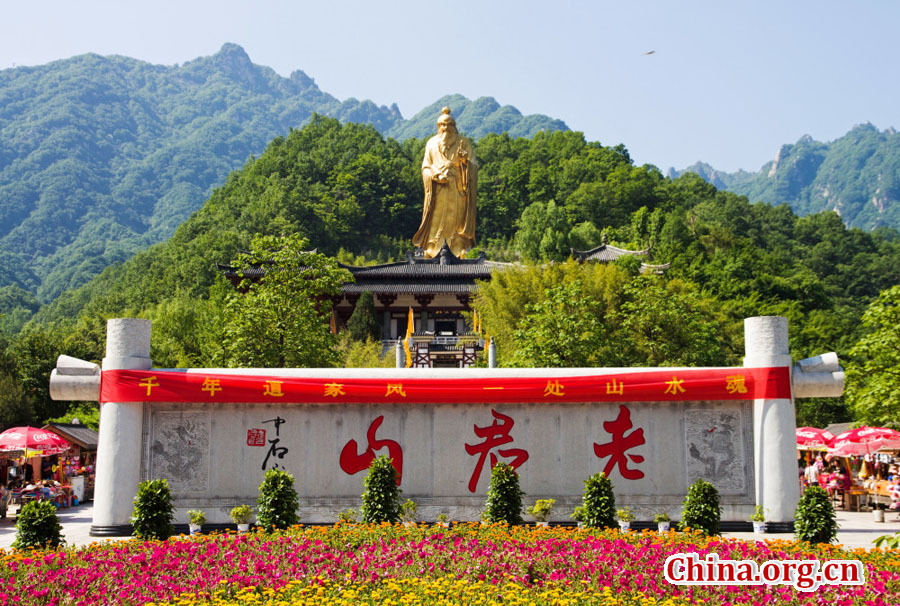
(445, 122)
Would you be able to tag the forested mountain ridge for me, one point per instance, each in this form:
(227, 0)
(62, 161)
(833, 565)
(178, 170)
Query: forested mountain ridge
(857, 176)
(101, 157)
(349, 191)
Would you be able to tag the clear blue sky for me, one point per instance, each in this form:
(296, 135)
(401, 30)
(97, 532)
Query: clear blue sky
(728, 83)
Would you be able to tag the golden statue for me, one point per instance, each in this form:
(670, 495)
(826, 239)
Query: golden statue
(450, 175)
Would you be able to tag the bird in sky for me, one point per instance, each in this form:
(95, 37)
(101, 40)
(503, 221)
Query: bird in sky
(650, 52)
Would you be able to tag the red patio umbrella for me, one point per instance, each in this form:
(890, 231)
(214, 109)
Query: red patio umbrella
(32, 438)
(864, 440)
(811, 438)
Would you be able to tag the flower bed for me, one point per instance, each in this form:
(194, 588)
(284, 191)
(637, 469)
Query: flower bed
(467, 563)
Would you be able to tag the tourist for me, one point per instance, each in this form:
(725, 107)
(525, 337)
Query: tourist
(4, 499)
(812, 475)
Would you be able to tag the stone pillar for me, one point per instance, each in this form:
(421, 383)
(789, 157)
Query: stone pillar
(121, 424)
(774, 424)
(492, 355)
(399, 355)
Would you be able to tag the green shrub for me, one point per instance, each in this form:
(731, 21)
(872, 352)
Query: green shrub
(381, 496)
(504, 498)
(701, 509)
(278, 503)
(814, 521)
(598, 505)
(38, 527)
(153, 511)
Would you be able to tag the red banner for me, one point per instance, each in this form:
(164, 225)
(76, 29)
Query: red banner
(662, 385)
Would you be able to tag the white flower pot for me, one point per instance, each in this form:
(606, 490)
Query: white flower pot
(624, 526)
(442, 524)
(878, 515)
(243, 527)
(540, 524)
(759, 527)
(664, 526)
(195, 528)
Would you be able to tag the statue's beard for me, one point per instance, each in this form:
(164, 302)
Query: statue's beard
(446, 141)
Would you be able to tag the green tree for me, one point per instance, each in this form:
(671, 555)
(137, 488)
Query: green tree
(363, 323)
(543, 232)
(501, 301)
(15, 405)
(873, 373)
(669, 324)
(563, 330)
(87, 413)
(282, 319)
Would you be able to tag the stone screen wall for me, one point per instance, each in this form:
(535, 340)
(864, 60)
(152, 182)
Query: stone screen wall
(214, 455)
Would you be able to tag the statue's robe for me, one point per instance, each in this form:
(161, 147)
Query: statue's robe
(449, 211)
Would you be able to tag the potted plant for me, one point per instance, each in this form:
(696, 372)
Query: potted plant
(241, 515)
(196, 519)
(878, 512)
(442, 520)
(541, 510)
(348, 516)
(409, 511)
(759, 520)
(625, 516)
(662, 522)
(578, 515)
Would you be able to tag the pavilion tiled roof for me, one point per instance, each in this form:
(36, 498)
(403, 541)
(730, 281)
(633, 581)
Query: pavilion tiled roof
(444, 273)
(605, 253)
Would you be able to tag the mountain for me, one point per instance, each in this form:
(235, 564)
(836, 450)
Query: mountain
(857, 176)
(101, 157)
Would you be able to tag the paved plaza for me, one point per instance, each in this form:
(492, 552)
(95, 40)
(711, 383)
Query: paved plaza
(857, 529)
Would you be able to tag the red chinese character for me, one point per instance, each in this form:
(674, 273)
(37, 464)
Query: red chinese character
(256, 437)
(352, 463)
(621, 443)
(494, 435)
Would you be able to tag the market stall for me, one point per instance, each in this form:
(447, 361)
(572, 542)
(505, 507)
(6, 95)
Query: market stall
(75, 467)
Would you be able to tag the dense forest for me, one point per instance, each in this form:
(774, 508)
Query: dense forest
(101, 157)
(857, 175)
(354, 195)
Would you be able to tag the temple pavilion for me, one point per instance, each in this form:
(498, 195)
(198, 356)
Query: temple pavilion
(439, 291)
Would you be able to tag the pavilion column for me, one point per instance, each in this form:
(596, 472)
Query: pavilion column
(774, 423)
(121, 424)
